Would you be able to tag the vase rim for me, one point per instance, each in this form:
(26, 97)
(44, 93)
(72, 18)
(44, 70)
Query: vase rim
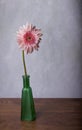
(26, 76)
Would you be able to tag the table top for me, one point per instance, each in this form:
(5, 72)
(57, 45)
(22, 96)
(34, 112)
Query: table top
(52, 114)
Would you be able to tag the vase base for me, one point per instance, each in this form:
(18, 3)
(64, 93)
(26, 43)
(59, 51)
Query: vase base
(28, 119)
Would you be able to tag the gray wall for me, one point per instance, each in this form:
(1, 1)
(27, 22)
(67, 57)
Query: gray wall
(55, 70)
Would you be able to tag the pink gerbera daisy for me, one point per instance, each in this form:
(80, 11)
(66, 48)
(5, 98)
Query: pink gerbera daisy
(28, 38)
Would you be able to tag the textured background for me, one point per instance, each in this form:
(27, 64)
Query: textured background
(55, 69)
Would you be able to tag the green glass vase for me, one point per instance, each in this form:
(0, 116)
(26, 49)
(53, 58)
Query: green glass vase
(27, 103)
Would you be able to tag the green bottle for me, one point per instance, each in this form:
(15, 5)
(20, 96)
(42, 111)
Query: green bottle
(27, 103)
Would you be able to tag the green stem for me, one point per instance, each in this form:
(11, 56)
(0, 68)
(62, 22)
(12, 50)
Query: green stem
(23, 57)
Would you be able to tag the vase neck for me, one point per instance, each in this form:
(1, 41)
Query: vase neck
(26, 81)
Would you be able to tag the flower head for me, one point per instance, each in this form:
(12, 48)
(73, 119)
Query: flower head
(29, 37)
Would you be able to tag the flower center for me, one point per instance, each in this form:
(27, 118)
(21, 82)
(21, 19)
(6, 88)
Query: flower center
(29, 38)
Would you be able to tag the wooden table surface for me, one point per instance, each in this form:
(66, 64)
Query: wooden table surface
(52, 114)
